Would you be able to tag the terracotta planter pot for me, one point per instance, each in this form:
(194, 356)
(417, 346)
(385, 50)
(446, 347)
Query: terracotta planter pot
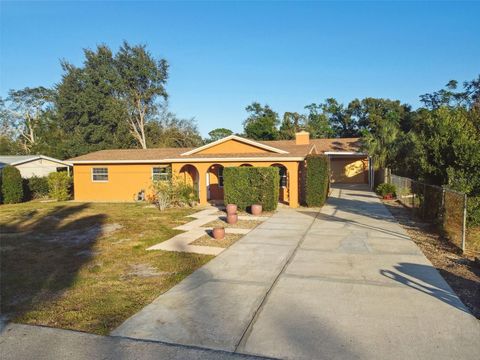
(256, 209)
(218, 233)
(232, 218)
(231, 209)
(388, 197)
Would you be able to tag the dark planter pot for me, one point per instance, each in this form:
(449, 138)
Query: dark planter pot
(256, 209)
(231, 209)
(218, 233)
(232, 218)
(388, 197)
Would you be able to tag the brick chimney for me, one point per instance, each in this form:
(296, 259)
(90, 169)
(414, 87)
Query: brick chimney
(302, 138)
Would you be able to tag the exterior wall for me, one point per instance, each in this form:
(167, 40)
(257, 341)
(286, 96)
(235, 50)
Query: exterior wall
(349, 170)
(232, 147)
(39, 167)
(125, 181)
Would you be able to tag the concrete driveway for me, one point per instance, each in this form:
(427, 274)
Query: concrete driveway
(345, 282)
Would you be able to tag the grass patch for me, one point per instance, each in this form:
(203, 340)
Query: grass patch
(84, 266)
(207, 240)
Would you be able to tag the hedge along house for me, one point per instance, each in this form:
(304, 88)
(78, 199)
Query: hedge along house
(126, 175)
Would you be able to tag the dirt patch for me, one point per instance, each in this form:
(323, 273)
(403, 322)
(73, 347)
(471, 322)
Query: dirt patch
(85, 236)
(459, 270)
(241, 224)
(144, 271)
(208, 240)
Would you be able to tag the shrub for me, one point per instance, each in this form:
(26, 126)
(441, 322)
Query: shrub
(246, 186)
(318, 180)
(473, 211)
(38, 187)
(172, 192)
(12, 185)
(385, 189)
(59, 185)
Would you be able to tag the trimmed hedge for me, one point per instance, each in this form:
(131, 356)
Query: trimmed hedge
(12, 185)
(318, 180)
(38, 187)
(246, 186)
(59, 185)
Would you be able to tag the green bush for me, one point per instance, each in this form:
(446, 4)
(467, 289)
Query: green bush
(246, 186)
(12, 185)
(473, 210)
(38, 187)
(318, 180)
(385, 189)
(172, 192)
(59, 186)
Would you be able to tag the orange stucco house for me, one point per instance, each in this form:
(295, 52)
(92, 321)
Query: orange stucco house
(122, 175)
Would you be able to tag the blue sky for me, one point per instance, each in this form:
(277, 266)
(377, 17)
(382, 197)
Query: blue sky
(224, 55)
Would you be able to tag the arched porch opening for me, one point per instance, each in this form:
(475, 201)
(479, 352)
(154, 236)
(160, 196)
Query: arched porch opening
(190, 175)
(283, 183)
(215, 183)
(246, 165)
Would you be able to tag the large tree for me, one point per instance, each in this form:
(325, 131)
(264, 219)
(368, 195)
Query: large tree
(112, 99)
(219, 133)
(340, 118)
(317, 123)
(9, 145)
(171, 131)
(261, 123)
(27, 107)
(142, 80)
(292, 123)
(88, 106)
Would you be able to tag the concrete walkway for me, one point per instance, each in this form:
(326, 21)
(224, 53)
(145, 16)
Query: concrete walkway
(343, 283)
(195, 229)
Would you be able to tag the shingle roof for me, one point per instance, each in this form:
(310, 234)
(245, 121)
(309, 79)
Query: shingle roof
(11, 159)
(340, 144)
(161, 154)
(19, 159)
(132, 154)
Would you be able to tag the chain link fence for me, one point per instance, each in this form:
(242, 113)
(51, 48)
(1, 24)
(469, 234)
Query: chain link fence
(445, 207)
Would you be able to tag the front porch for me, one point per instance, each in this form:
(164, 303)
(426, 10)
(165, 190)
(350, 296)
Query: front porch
(207, 178)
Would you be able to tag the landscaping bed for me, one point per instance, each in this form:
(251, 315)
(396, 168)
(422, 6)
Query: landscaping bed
(84, 266)
(459, 270)
(207, 240)
(240, 224)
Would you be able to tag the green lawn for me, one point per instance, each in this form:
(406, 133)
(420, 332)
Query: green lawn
(84, 266)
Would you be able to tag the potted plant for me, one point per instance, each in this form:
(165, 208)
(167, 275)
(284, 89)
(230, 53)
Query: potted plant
(218, 233)
(387, 191)
(231, 208)
(256, 209)
(232, 218)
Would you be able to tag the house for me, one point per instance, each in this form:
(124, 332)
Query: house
(34, 165)
(121, 175)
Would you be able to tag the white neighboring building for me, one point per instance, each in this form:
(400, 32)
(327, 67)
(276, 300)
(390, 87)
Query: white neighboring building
(34, 165)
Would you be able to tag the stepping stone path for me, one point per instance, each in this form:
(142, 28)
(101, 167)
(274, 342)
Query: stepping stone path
(195, 229)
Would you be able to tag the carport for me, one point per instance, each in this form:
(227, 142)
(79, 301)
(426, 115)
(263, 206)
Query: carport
(350, 168)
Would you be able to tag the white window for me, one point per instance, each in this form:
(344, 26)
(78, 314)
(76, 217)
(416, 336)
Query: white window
(100, 174)
(160, 173)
